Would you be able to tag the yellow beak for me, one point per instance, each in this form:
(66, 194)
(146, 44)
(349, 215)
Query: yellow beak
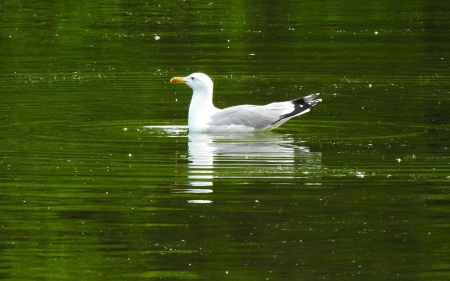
(178, 80)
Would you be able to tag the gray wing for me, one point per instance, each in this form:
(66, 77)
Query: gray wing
(262, 117)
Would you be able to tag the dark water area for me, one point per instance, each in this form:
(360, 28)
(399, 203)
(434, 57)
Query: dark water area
(101, 180)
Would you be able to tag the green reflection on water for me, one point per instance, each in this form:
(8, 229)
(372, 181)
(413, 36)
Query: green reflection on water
(358, 187)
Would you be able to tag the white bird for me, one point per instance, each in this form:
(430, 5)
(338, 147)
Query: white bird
(205, 117)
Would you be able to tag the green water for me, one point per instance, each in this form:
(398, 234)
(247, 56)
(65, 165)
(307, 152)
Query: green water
(100, 180)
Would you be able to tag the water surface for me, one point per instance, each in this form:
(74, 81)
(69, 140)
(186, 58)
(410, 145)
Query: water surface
(100, 178)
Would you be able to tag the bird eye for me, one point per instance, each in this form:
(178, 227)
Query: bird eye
(192, 78)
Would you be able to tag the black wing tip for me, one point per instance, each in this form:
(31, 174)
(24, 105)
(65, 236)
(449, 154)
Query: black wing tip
(310, 100)
(301, 105)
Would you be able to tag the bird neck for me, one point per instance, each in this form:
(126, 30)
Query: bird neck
(201, 107)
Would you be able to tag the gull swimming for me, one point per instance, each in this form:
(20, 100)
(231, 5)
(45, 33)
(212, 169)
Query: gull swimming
(205, 117)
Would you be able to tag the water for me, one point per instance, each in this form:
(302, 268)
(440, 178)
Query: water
(101, 180)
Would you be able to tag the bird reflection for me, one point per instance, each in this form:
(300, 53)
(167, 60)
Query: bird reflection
(246, 157)
(264, 155)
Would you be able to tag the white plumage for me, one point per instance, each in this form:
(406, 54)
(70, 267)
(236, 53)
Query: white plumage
(205, 117)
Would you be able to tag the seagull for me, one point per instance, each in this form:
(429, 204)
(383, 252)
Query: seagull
(204, 117)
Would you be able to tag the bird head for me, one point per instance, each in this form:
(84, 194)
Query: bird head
(196, 81)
